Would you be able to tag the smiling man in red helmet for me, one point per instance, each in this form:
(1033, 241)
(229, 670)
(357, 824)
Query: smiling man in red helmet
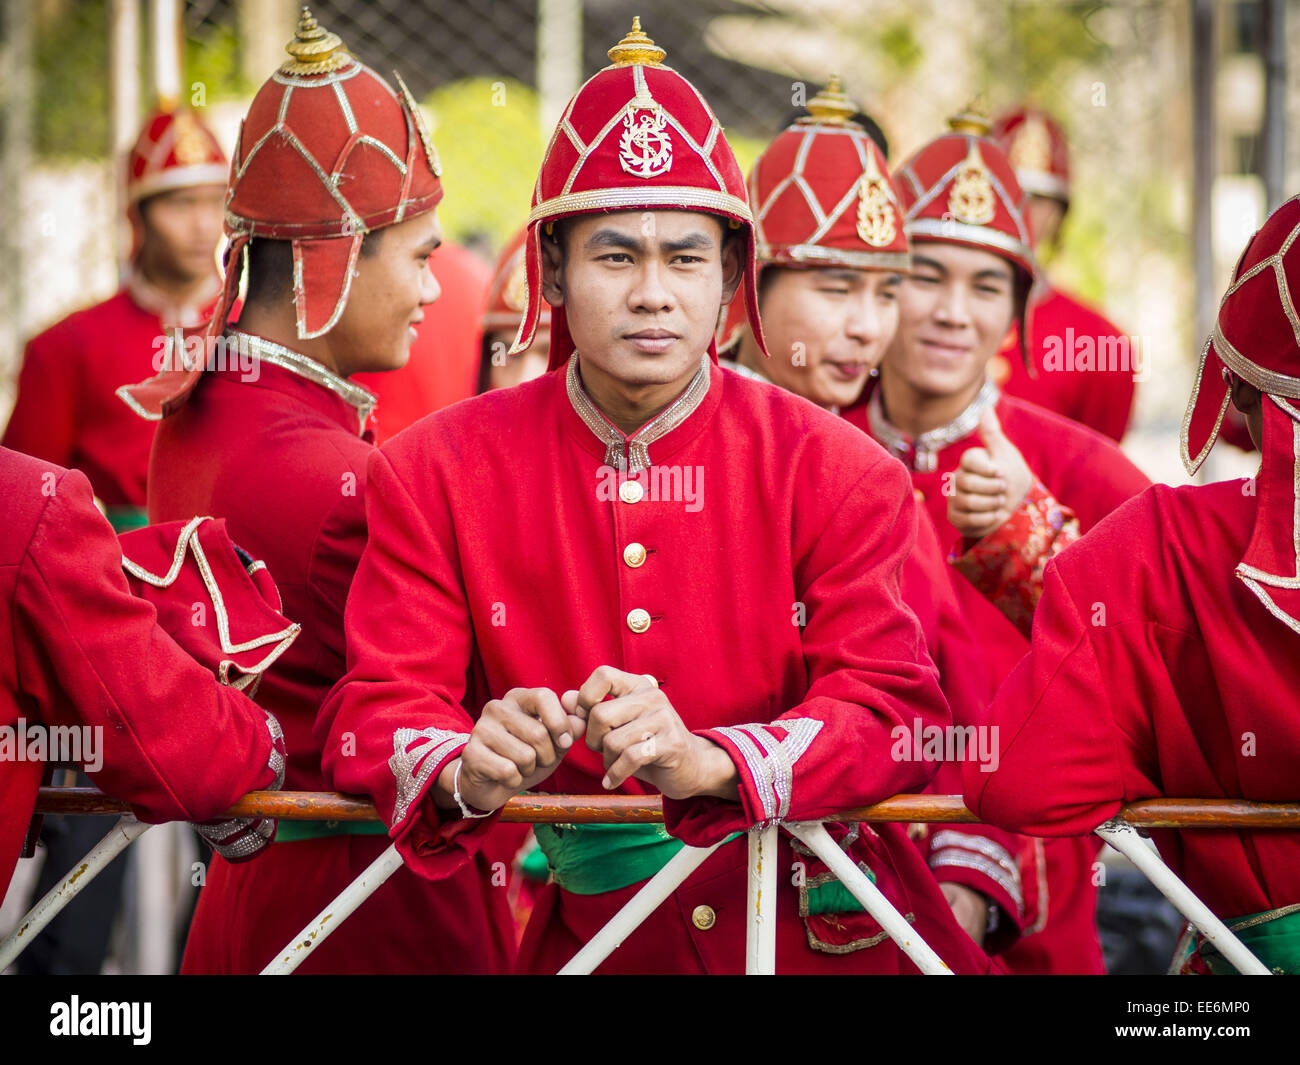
(334, 192)
(640, 573)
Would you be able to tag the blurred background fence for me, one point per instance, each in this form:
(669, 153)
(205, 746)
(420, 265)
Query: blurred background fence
(1130, 80)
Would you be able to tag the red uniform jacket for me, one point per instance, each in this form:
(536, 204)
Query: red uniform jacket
(496, 559)
(282, 459)
(66, 411)
(1155, 672)
(1088, 473)
(981, 857)
(443, 367)
(78, 650)
(1070, 341)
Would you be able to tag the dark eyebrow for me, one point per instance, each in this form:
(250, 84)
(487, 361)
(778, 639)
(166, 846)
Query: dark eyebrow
(612, 238)
(1003, 274)
(692, 241)
(429, 246)
(933, 264)
(840, 274)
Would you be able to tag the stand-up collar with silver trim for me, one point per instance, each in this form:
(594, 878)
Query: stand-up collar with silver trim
(631, 454)
(922, 454)
(362, 400)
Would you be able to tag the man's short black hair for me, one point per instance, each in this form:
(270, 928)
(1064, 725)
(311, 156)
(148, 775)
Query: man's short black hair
(270, 267)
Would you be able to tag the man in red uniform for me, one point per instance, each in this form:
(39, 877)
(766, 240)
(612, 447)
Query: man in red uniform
(444, 358)
(1166, 646)
(831, 245)
(277, 445)
(972, 269)
(717, 556)
(66, 412)
(1083, 367)
(88, 660)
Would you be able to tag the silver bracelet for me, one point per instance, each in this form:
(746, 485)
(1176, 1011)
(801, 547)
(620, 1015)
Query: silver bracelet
(455, 789)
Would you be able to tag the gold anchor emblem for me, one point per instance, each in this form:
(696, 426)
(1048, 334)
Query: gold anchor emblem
(971, 199)
(877, 207)
(645, 149)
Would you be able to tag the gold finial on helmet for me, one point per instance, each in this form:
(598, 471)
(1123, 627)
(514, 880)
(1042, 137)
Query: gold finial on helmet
(831, 106)
(973, 118)
(636, 47)
(314, 49)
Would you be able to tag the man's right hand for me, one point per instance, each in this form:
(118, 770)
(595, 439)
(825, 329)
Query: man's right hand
(516, 743)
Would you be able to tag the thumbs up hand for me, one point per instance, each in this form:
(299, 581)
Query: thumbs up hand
(991, 482)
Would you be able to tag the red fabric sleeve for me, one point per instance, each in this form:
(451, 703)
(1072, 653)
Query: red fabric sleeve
(170, 741)
(44, 419)
(395, 719)
(1060, 770)
(868, 671)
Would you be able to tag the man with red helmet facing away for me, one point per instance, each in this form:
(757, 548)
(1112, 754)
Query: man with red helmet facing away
(642, 573)
(333, 192)
(1082, 366)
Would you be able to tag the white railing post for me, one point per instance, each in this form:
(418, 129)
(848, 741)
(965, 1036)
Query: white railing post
(343, 907)
(638, 908)
(119, 837)
(1124, 838)
(760, 900)
(818, 840)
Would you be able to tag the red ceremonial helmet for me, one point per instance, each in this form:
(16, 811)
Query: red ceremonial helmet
(327, 153)
(637, 135)
(508, 293)
(822, 196)
(960, 189)
(1257, 337)
(175, 150)
(1036, 147)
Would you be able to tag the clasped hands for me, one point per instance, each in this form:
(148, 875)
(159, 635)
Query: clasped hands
(520, 739)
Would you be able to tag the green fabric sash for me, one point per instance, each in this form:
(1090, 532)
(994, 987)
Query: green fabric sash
(125, 518)
(1273, 936)
(591, 859)
(293, 831)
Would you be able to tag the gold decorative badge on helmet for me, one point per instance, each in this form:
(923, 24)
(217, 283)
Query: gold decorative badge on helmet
(189, 145)
(877, 207)
(972, 200)
(645, 149)
(1031, 146)
(421, 127)
(314, 49)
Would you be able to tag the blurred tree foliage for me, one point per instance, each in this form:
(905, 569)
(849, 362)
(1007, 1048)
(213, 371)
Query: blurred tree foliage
(71, 80)
(72, 96)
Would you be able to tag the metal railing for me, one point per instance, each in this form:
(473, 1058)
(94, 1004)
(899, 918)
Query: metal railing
(760, 943)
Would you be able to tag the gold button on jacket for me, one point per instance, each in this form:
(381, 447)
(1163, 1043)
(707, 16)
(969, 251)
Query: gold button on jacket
(634, 555)
(703, 917)
(631, 491)
(638, 620)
